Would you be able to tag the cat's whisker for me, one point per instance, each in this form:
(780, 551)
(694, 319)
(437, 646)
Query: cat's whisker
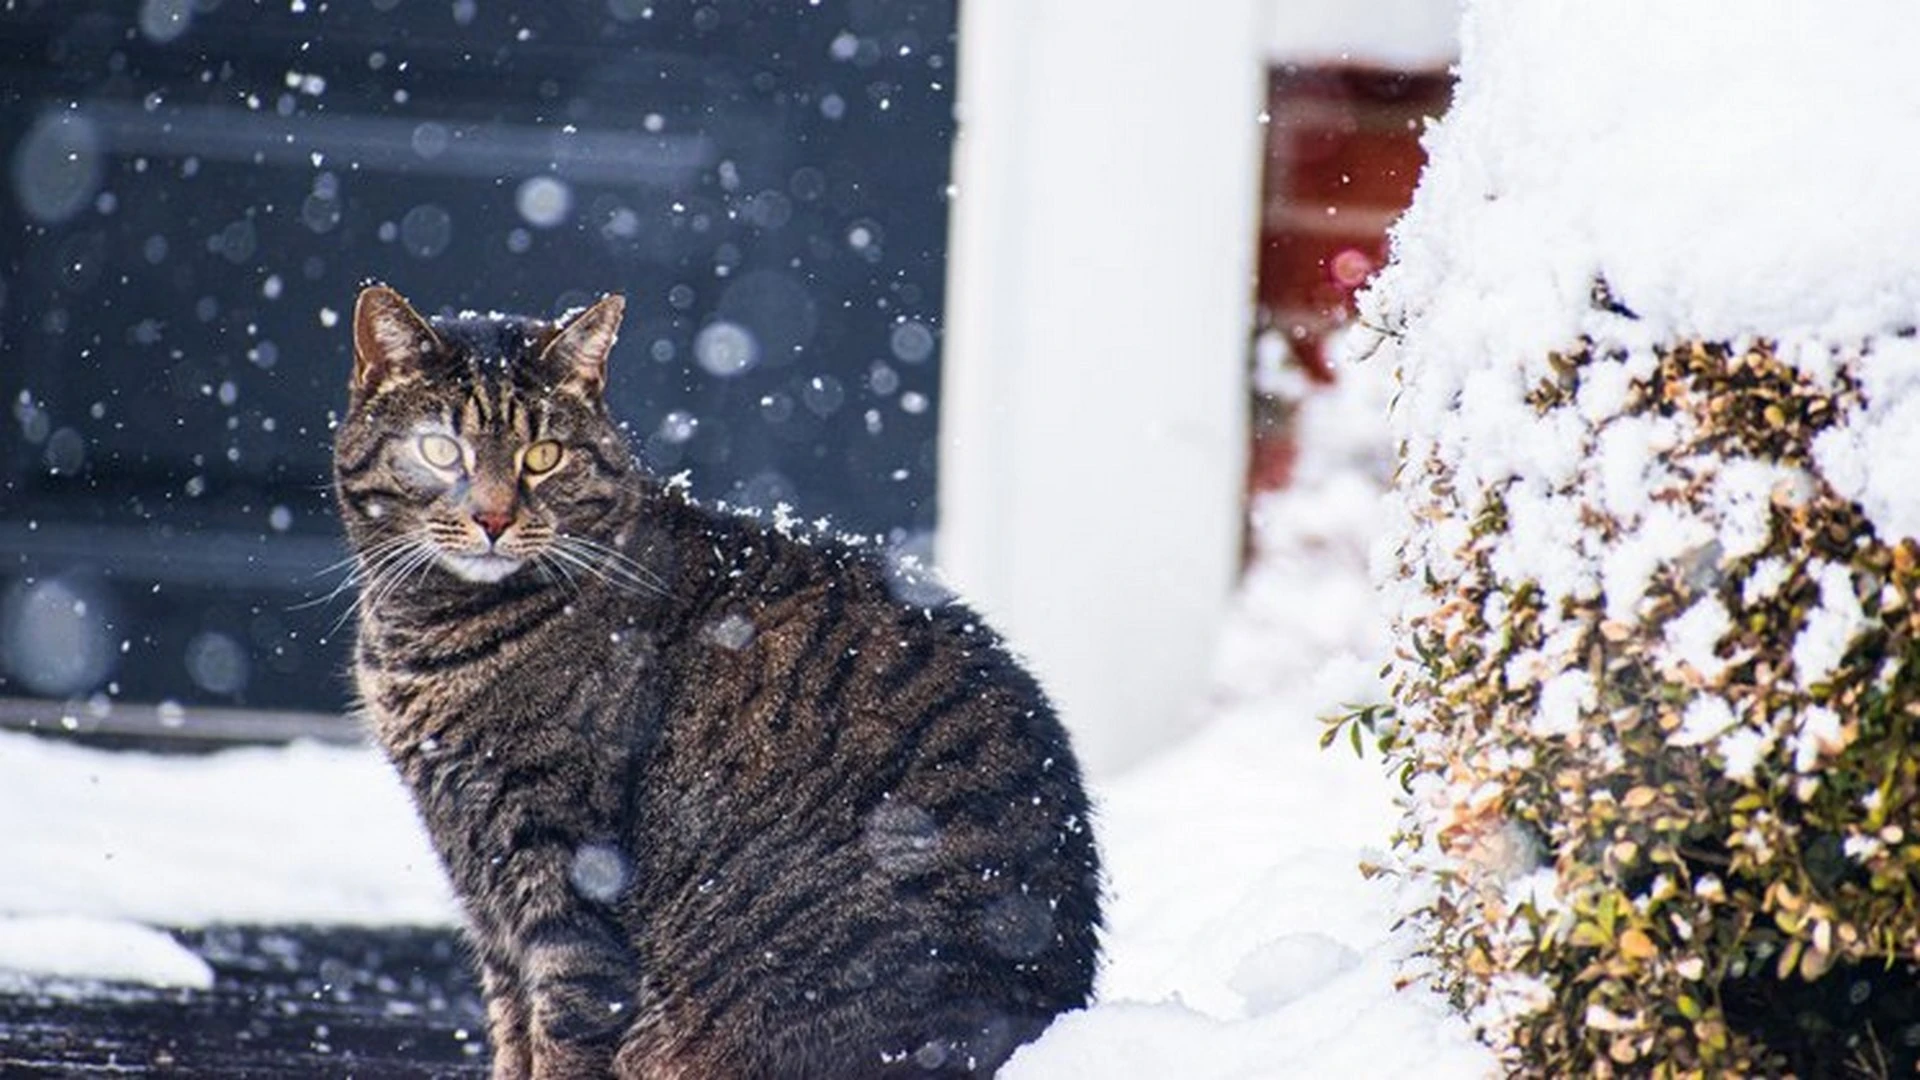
(561, 553)
(421, 560)
(325, 598)
(375, 567)
(377, 592)
(618, 557)
(610, 565)
(608, 573)
(359, 568)
(356, 559)
(555, 570)
(586, 566)
(564, 557)
(380, 577)
(345, 616)
(359, 575)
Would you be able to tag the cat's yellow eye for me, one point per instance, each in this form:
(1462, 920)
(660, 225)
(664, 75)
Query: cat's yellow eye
(541, 456)
(439, 451)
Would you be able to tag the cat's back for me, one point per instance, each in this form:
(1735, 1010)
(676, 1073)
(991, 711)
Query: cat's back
(863, 812)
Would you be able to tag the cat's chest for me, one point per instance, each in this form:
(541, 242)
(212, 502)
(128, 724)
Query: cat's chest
(552, 752)
(572, 681)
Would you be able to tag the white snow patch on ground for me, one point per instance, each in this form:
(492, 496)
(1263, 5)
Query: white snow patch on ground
(1243, 940)
(301, 834)
(80, 947)
(1289, 968)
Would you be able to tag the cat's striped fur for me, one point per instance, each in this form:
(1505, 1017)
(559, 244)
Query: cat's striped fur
(717, 802)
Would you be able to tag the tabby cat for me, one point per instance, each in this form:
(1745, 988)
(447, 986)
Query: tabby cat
(717, 802)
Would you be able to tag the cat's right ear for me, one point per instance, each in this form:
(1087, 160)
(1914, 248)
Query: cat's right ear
(578, 351)
(389, 338)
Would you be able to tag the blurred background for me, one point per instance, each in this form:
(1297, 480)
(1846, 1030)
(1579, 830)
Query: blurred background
(198, 188)
(1031, 289)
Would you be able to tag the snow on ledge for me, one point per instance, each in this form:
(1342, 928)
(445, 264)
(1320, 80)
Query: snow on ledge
(98, 950)
(1418, 35)
(302, 833)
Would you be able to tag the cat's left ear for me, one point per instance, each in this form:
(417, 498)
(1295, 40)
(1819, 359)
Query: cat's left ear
(579, 350)
(390, 339)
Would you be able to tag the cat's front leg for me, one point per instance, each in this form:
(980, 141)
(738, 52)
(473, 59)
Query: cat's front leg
(507, 1022)
(581, 981)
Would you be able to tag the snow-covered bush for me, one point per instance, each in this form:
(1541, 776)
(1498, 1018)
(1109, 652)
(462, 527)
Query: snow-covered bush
(1654, 580)
(1700, 770)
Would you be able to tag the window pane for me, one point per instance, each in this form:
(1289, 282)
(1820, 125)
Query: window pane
(196, 189)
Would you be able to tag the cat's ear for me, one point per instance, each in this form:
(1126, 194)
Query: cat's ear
(578, 351)
(389, 338)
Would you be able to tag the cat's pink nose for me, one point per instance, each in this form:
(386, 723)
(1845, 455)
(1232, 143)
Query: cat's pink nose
(493, 522)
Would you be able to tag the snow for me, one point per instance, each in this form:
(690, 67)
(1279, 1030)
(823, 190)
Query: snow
(1764, 581)
(1707, 716)
(1404, 34)
(1830, 628)
(1642, 157)
(1693, 638)
(1741, 751)
(1562, 699)
(1743, 501)
(1888, 429)
(301, 834)
(1288, 968)
(1819, 732)
(82, 948)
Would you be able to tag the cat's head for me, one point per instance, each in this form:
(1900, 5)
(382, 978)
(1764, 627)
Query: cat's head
(479, 444)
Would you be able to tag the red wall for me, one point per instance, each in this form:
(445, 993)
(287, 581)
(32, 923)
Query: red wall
(1343, 154)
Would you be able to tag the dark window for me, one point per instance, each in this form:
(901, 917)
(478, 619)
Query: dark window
(196, 189)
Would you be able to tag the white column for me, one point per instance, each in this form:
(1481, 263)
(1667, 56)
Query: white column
(1093, 425)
